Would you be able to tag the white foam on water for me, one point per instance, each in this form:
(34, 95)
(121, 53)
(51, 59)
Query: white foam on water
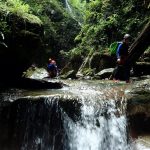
(97, 129)
(140, 144)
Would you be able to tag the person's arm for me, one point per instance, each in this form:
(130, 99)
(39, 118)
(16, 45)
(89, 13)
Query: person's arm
(119, 49)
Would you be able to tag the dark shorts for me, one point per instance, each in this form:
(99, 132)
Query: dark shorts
(122, 72)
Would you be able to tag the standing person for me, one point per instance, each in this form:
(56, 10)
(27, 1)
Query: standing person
(52, 68)
(122, 71)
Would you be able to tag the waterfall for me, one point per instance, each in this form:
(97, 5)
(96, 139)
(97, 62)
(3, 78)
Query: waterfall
(102, 126)
(71, 12)
(68, 6)
(76, 118)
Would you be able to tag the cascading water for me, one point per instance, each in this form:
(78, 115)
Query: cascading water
(71, 12)
(84, 117)
(68, 6)
(102, 125)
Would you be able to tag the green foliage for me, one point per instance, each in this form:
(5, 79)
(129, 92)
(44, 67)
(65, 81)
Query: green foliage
(103, 22)
(4, 27)
(60, 28)
(71, 54)
(88, 71)
(107, 21)
(3, 23)
(19, 8)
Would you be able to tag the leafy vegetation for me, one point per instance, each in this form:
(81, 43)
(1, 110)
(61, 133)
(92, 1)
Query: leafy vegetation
(18, 8)
(107, 21)
(89, 26)
(60, 28)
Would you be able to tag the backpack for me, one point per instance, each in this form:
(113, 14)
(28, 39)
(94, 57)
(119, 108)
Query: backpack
(113, 47)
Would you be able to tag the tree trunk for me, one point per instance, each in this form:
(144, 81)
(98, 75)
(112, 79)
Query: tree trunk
(140, 45)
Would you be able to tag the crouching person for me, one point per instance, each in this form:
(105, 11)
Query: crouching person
(52, 68)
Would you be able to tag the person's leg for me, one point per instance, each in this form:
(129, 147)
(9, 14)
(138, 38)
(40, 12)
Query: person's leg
(127, 73)
(116, 73)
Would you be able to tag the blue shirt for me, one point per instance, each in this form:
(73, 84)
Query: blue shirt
(122, 50)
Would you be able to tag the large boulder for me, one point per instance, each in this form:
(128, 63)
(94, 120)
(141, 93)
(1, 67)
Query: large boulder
(34, 72)
(101, 61)
(71, 66)
(96, 62)
(70, 74)
(105, 73)
(37, 78)
(138, 98)
(138, 108)
(141, 68)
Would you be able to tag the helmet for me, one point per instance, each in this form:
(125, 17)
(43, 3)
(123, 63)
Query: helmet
(126, 36)
(53, 62)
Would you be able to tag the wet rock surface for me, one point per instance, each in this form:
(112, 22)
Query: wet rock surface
(138, 112)
(43, 119)
(139, 98)
(29, 120)
(38, 78)
(106, 73)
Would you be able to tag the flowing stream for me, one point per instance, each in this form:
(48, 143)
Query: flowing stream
(86, 115)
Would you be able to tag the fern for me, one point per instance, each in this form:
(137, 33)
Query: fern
(17, 6)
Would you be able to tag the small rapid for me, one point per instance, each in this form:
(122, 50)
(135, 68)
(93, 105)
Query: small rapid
(85, 115)
(102, 124)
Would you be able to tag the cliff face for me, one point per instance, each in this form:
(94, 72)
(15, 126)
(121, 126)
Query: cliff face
(20, 45)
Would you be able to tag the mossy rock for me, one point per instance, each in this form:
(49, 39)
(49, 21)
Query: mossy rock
(35, 73)
(70, 74)
(88, 71)
(101, 61)
(138, 98)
